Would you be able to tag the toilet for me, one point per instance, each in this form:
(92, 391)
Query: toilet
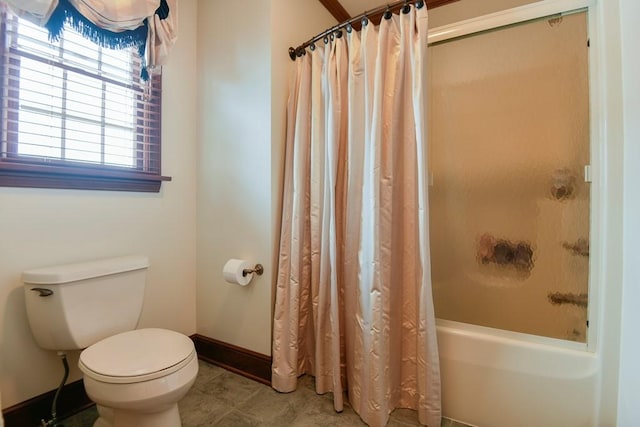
(135, 376)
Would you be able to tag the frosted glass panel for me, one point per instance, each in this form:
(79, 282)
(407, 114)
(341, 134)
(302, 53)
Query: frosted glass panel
(509, 141)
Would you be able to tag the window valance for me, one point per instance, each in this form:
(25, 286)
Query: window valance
(148, 25)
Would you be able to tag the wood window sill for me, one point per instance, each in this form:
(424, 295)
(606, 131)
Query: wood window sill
(78, 178)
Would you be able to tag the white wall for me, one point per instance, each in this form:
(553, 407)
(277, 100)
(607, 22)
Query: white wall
(629, 386)
(234, 179)
(242, 78)
(606, 295)
(43, 227)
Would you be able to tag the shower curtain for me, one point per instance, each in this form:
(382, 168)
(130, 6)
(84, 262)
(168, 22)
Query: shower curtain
(354, 306)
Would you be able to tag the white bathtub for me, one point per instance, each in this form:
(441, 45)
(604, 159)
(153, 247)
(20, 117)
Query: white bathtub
(494, 378)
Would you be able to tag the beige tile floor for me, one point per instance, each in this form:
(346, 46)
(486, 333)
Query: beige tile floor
(223, 399)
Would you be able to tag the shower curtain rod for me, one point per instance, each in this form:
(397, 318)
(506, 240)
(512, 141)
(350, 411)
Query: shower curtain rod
(385, 10)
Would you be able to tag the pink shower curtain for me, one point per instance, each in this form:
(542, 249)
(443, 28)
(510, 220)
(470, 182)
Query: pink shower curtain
(354, 304)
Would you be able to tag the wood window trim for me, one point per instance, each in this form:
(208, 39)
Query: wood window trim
(83, 177)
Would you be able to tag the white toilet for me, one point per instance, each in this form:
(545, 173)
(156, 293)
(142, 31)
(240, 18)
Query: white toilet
(135, 376)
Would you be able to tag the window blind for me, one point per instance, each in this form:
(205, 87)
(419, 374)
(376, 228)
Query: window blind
(72, 104)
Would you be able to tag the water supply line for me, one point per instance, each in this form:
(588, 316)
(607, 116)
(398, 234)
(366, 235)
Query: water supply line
(53, 422)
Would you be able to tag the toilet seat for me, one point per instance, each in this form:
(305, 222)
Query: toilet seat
(136, 356)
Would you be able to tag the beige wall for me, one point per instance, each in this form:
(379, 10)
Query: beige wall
(44, 227)
(243, 71)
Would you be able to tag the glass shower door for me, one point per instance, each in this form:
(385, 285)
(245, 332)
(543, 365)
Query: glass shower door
(509, 202)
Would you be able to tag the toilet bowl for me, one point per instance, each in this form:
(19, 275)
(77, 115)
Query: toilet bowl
(139, 376)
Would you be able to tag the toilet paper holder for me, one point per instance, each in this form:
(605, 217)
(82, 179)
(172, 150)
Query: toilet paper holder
(258, 269)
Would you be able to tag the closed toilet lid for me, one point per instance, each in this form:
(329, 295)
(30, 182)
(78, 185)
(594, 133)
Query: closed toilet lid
(138, 355)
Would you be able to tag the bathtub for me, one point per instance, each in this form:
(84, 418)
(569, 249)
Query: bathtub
(495, 378)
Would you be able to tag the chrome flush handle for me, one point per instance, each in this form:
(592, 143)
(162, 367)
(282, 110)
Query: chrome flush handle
(43, 291)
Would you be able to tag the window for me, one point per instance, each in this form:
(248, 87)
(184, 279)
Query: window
(75, 115)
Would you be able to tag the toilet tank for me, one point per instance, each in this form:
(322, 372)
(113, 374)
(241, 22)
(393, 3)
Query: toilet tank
(73, 306)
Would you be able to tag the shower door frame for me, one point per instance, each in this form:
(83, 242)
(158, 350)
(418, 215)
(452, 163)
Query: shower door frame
(598, 212)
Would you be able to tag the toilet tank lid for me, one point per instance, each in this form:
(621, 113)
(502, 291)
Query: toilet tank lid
(59, 274)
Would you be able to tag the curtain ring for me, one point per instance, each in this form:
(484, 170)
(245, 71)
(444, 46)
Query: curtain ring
(349, 28)
(365, 20)
(420, 4)
(326, 39)
(312, 47)
(388, 14)
(406, 8)
(338, 34)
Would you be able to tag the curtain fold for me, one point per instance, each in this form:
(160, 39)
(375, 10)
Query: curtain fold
(354, 305)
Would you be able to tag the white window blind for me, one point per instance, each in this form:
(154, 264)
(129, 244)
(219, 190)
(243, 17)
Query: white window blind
(71, 107)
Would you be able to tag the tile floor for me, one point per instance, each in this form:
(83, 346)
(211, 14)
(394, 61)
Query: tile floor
(223, 399)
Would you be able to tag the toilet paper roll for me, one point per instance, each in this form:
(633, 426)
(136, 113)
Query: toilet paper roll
(232, 272)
